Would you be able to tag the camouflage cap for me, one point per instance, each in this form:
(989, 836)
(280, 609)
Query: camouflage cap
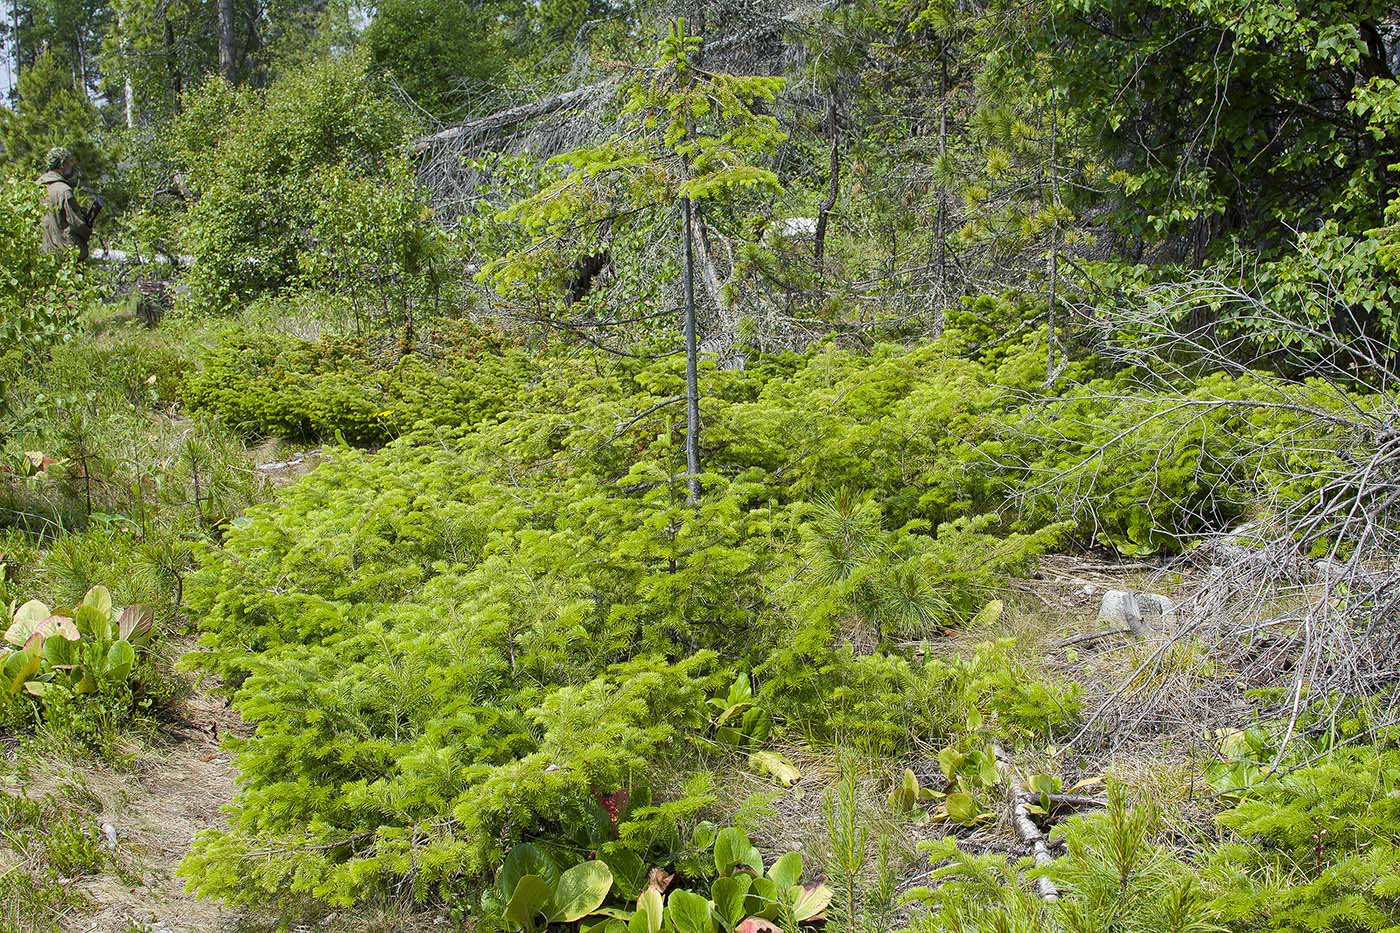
(56, 157)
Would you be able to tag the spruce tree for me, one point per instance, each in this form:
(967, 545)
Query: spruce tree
(50, 109)
(690, 139)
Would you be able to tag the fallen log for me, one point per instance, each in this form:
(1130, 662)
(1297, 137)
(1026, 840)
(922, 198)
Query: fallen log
(505, 119)
(1092, 637)
(123, 258)
(494, 123)
(1077, 801)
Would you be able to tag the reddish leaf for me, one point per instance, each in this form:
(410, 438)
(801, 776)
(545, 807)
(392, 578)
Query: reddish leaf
(757, 925)
(613, 804)
(659, 879)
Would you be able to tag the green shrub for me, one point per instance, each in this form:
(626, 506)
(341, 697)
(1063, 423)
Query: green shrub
(46, 844)
(1114, 877)
(41, 294)
(551, 564)
(340, 387)
(1316, 848)
(86, 669)
(254, 159)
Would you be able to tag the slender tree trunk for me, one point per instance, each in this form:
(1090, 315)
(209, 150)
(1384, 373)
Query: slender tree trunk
(833, 190)
(227, 65)
(172, 63)
(1054, 259)
(692, 379)
(128, 94)
(941, 224)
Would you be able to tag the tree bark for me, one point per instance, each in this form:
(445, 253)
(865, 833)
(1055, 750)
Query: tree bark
(692, 379)
(172, 62)
(833, 190)
(941, 224)
(227, 64)
(1054, 260)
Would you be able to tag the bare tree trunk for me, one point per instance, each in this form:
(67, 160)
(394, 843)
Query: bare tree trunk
(833, 190)
(172, 63)
(227, 65)
(1054, 260)
(709, 269)
(692, 379)
(128, 95)
(941, 225)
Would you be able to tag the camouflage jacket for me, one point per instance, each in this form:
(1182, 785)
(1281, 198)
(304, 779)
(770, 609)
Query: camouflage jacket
(66, 225)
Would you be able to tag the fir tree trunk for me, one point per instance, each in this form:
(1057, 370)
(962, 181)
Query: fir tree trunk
(692, 379)
(833, 190)
(1054, 260)
(941, 231)
(227, 66)
(172, 63)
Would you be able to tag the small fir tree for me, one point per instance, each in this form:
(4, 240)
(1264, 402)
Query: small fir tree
(50, 110)
(690, 139)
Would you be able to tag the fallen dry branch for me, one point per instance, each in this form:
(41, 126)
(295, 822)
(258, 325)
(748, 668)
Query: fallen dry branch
(1077, 801)
(1088, 637)
(1030, 834)
(1026, 830)
(482, 128)
(475, 130)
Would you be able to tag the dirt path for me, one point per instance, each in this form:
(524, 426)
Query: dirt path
(177, 789)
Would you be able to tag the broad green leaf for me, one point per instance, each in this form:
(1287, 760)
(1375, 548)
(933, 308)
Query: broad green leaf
(100, 599)
(728, 894)
(579, 892)
(525, 859)
(93, 623)
(786, 871)
(22, 665)
(764, 898)
(528, 901)
(732, 849)
(963, 808)
(809, 903)
(988, 614)
(615, 913)
(121, 658)
(687, 912)
(651, 909)
(60, 652)
(703, 835)
(950, 760)
(26, 620)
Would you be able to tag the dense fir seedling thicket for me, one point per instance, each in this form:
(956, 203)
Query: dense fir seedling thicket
(460, 640)
(696, 389)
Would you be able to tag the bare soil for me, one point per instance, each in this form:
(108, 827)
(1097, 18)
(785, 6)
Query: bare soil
(177, 789)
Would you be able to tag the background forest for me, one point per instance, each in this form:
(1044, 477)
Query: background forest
(873, 465)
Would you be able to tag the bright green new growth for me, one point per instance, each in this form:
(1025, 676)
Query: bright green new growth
(689, 135)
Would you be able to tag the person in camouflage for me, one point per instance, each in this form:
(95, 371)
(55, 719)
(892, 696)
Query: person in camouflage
(66, 224)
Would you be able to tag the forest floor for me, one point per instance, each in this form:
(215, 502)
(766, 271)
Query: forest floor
(175, 787)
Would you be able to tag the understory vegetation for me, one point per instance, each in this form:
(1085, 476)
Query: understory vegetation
(735, 468)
